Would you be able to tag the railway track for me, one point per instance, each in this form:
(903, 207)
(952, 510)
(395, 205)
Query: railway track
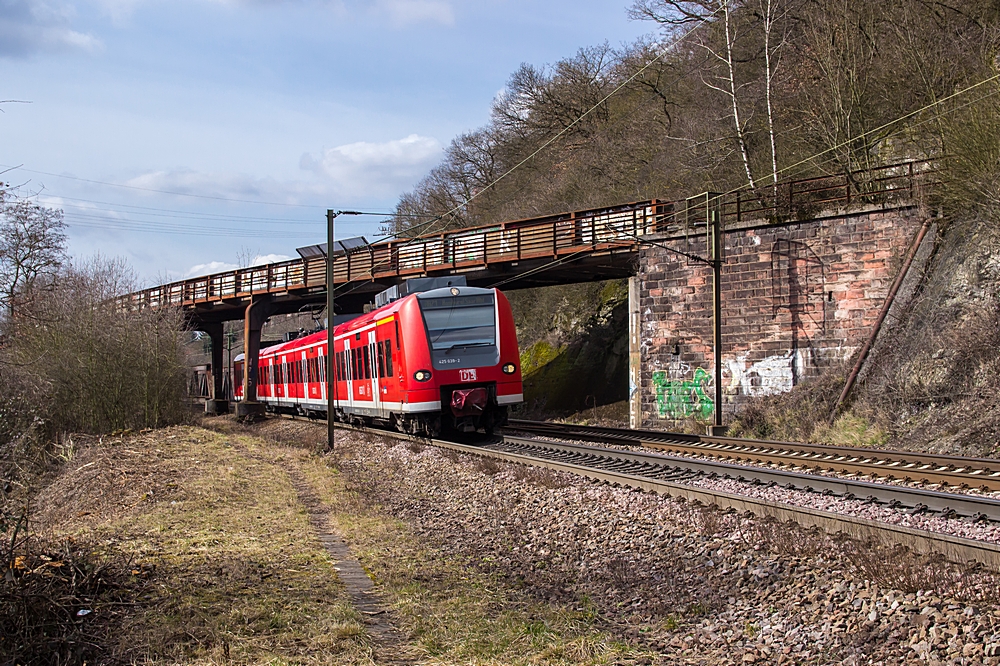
(677, 477)
(960, 472)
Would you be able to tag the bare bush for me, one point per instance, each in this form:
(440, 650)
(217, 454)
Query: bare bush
(95, 366)
(487, 466)
(547, 478)
(788, 538)
(449, 454)
(60, 602)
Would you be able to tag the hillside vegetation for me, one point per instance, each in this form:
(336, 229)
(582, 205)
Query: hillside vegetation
(727, 95)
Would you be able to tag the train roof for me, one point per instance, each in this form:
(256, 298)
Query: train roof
(321, 336)
(356, 323)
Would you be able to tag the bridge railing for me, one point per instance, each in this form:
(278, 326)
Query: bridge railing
(799, 199)
(600, 229)
(551, 236)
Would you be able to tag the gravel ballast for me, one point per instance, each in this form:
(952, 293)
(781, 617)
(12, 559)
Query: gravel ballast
(691, 584)
(859, 508)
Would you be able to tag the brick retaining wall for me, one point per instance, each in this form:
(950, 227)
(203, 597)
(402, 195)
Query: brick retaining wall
(795, 298)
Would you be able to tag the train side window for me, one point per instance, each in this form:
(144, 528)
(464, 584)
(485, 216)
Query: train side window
(388, 359)
(396, 322)
(368, 362)
(380, 348)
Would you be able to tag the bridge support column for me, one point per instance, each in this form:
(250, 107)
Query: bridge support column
(219, 402)
(634, 354)
(258, 311)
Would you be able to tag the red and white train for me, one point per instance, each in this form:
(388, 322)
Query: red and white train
(435, 358)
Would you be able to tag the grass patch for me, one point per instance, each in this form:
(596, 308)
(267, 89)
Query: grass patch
(456, 613)
(238, 573)
(851, 430)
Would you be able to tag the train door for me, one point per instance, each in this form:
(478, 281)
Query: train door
(348, 375)
(376, 392)
(280, 387)
(386, 352)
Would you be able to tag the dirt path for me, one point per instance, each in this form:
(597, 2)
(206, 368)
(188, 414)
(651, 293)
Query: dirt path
(388, 641)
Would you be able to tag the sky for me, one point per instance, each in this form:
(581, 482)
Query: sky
(194, 136)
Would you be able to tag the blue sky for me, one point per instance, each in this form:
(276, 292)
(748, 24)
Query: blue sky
(263, 112)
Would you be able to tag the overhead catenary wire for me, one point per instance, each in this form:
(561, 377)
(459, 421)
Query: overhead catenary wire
(666, 49)
(158, 191)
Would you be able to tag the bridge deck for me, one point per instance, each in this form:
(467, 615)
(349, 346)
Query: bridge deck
(586, 245)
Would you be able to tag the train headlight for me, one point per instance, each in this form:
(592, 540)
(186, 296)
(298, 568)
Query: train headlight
(422, 375)
(509, 368)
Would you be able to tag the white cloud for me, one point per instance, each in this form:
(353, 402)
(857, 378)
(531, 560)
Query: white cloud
(209, 268)
(407, 12)
(218, 185)
(264, 259)
(31, 26)
(375, 169)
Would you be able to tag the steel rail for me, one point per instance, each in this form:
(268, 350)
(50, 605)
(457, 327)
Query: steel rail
(657, 465)
(657, 473)
(903, 465)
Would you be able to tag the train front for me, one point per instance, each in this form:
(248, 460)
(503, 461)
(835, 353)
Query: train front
(472, 359)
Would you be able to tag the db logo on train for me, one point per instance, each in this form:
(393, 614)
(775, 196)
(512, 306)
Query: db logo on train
(467, 375)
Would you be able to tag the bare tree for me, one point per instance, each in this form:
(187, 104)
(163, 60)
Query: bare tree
(770, 16)
(32, 248)
(684, 15)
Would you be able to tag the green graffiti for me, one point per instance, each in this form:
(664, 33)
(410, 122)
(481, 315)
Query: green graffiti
(683, 398)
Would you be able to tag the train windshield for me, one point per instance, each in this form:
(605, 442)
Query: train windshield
(460, 322)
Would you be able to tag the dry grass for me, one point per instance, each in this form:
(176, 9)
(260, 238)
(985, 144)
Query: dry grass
(454, 613)
(238, 573)
(231, 571)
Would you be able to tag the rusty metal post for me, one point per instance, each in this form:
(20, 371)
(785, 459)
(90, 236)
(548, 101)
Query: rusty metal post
(218, 402)
(890, 297)
(256, 314)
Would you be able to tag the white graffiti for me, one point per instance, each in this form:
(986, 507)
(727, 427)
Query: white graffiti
(774, 374)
